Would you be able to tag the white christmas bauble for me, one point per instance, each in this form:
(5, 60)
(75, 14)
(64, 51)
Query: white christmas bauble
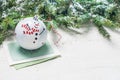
(31, 33)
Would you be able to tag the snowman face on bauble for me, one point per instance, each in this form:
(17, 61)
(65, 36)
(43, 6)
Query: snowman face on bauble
(31, 33)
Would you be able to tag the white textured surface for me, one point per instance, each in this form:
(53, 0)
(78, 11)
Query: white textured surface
(84, 57)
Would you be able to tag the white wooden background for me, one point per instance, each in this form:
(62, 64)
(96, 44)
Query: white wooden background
(84, 57)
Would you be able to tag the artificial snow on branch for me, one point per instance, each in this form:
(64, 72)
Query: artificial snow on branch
(68, 13)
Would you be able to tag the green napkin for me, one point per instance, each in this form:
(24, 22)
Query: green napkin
(26, 64)
(21, 58)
